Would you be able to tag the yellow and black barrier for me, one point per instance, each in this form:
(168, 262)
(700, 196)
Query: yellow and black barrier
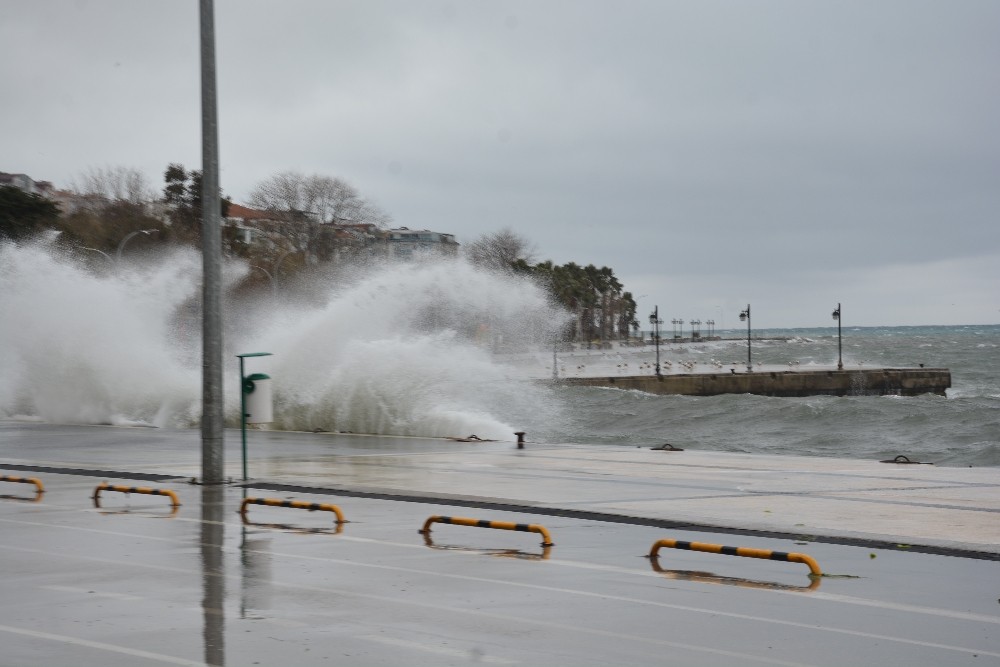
(24, 480)
(500, 525)
(298, 504)
(746, 552)
(104, 486)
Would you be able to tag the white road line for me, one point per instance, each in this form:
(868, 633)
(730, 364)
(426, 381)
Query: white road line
(102, 646)
(385, 599)
(819, 595)
(566, 591)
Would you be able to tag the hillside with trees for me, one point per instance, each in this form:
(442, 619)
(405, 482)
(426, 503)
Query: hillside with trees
(300, 224)
(602, 310)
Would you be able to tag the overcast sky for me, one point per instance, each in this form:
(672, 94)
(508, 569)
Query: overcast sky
(790, 155)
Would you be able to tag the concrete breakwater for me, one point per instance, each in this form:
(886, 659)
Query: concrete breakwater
(854, 382)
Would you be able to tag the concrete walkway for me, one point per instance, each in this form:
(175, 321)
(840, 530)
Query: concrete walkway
(919, 507)
(139, 580)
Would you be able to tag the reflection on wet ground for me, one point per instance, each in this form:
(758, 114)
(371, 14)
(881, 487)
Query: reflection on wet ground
(545, 554)
(711, 578)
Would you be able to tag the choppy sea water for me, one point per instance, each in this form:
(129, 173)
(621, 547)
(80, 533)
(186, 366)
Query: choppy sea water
(961, 429)
(410, 350)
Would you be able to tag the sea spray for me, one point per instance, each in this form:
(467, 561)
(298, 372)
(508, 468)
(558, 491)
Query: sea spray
(83, 348)
(407, 350)
(411, 349)
(388, 349)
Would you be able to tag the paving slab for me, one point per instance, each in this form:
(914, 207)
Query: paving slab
(909, 505)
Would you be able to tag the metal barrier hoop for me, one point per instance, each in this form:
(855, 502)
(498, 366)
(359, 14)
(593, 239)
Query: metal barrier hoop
(480, 523)
(24, 480)
(746, 552)
(104, 486)
(298, 504)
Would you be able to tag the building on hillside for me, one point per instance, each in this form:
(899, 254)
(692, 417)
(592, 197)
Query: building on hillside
(332, 241)
(405, 243)
(26, 184)
(245, 218)
(361, 239)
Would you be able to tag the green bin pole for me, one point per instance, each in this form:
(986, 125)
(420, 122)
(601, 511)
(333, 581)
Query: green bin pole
(243, 405)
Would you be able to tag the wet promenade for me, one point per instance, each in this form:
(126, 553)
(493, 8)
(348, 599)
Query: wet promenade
(910, 554)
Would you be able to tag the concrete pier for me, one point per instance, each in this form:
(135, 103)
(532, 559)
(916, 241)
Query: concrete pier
(777, 382)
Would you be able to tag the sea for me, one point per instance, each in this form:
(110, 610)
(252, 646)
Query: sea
(959, 429)
(442, 349)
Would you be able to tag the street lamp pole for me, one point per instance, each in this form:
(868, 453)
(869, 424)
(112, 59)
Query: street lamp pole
(654, 319)
(212, 407)
(840, 340)
(745, 315)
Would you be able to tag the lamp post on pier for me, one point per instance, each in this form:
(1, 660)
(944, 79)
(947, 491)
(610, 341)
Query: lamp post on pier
(745, 315)
(840, 341)
(654, 319)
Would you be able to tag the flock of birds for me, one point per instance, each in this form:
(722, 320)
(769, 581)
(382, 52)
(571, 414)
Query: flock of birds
(648, 367)
(665, 366)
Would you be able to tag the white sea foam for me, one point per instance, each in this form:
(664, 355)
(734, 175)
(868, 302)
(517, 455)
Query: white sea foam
(81, 348)
(407, 350)
(395, 350)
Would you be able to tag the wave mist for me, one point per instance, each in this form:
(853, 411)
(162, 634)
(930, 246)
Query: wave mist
(395, 350)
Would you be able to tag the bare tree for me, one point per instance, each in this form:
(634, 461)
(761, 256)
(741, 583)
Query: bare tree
(114, 184)
(322, 199)
(305, 206)
(500, 250)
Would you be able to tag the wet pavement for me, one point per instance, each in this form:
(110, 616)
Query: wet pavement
(137, 581)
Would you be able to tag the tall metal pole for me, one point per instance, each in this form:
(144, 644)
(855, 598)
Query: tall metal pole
(749, 362)
(840, 341)
(212, 444)
(745, 315)
(654, 319)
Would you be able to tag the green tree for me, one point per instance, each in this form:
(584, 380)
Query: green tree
(182, 195)
(594, 295)
(23, 214)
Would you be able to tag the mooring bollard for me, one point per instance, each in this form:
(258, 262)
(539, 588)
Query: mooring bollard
(520, 439)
